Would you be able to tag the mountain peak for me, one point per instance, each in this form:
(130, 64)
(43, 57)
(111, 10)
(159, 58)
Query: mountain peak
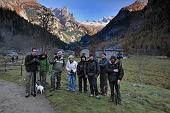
(102, 22)
(63, 14)
(145, 2)
(136, 6)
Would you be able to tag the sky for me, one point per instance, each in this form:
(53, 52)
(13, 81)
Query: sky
(89, 9)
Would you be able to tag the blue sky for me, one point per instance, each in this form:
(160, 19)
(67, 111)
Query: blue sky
(89, 9)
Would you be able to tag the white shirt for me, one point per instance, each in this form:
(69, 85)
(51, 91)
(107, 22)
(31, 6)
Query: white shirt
(71, 66)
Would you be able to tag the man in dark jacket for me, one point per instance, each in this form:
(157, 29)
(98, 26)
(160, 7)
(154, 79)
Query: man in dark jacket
(115, 75)
(81, 72)
(92, 73)
(103, 74)
(31, 64)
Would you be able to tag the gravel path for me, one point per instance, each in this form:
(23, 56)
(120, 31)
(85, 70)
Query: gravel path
(12, 100)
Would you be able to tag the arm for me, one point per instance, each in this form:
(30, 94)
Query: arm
(121, 72)
(108, 69)
(75, 67)
(97, 68)
(52, 61)
(27, 61)
(67, 67)
(47, 63)
(78, 68)
(64, 63)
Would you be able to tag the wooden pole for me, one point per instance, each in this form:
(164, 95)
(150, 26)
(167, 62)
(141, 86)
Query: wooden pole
(21, 69)
(5, 66)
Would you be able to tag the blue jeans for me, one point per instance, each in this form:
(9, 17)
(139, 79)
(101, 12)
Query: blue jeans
(72, 82)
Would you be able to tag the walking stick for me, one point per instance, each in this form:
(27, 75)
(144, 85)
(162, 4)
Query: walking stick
(34, 81)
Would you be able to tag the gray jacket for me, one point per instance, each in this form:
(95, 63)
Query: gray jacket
(58, 64)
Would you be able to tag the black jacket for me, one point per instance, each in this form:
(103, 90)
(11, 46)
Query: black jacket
(31, 63)
(113, 76)
(81, 68)
(92, 68)
(103, 63)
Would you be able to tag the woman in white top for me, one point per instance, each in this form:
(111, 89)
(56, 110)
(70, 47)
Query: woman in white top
(71, 68)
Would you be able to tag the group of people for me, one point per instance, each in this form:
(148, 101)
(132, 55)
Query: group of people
(88, 69)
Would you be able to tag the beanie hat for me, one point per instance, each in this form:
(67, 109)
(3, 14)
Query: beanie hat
(112, 57)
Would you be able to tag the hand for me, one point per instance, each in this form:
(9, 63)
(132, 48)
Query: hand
(55, 60)
(71, 71)
(86, 76)
(118, 81)
(115, 70)
(34, 59)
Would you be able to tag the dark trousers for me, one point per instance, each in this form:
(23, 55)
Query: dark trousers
(93, 85)
(82, 80)
(115, 88)
(103, 83)
(55, 80)
(30, 82)
(43, 76)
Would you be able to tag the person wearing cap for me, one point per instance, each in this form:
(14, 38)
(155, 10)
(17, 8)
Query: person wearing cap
(103, 74)
(71, 68)
(58, 65)
(115, 75)
(92, 73)
(81, 72)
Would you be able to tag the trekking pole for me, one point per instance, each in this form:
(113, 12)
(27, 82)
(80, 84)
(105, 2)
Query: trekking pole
(34, 81)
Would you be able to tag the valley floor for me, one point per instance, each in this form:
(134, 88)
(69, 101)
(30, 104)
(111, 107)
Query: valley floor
(145, 89)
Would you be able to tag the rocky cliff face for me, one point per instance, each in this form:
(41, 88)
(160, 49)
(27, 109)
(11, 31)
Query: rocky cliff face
(19, 6)
(73, 30)
(119, 24)
(64, 23)
(19, 34)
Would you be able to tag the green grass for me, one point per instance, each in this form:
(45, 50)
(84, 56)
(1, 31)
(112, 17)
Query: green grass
(146, 94)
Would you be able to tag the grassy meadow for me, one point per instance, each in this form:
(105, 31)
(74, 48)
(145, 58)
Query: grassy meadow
(145, 89)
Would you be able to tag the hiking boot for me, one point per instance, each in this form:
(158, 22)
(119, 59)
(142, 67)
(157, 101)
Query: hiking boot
(98, 97)
(91, 95)
(68, 89)
(33, 94)
(119, 102)
(111, 100)
(27, 95)
(73, 90)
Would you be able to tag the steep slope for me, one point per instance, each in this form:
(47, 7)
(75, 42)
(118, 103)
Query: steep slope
(140, 28)
(118, 25)
(17, 33)
(72, 30)
(153, 36)
(64, 24)
(19, 6)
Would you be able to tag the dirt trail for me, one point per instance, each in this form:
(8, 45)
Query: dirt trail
(12, 100)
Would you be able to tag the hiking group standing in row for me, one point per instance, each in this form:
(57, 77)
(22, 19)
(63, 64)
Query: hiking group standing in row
(87, 70)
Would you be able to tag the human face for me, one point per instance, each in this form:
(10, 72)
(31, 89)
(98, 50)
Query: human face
(113, 61)
(71, 60)
(34, 52)
(83, 59)
(91, 58)
(103, 56)
(43, 56)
